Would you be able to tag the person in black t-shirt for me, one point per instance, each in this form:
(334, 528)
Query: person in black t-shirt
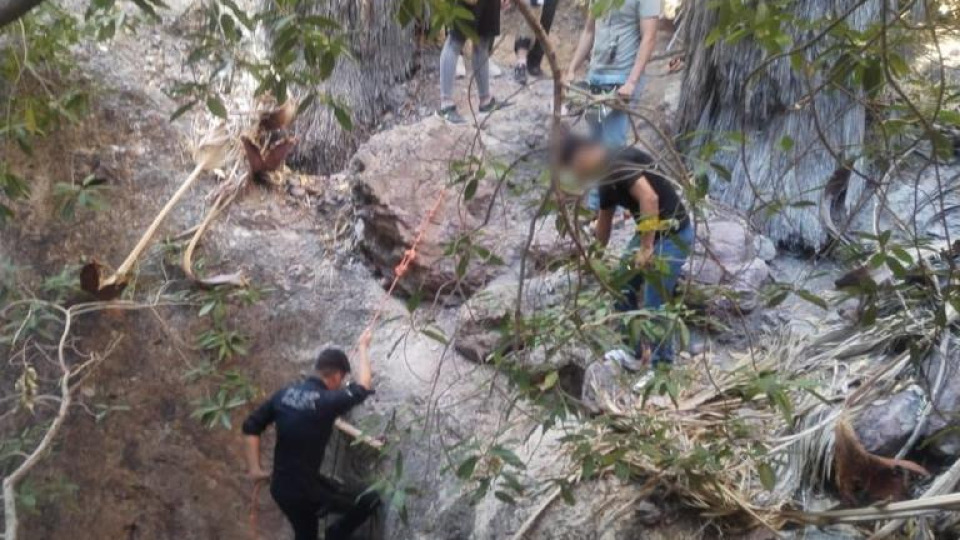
(304, 414)
(628, 178)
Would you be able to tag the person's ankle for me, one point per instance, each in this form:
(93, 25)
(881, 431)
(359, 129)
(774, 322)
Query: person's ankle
(486, 101)
(446, 105)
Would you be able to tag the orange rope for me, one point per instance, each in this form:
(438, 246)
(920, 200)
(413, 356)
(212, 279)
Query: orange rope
(398, 272)
(254, 511)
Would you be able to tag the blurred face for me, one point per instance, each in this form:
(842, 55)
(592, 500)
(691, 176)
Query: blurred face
(587, 162)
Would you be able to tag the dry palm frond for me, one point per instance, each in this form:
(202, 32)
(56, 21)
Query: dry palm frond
(762, 435)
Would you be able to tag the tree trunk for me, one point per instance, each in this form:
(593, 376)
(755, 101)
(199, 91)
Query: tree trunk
(794, 147)
(383, 54)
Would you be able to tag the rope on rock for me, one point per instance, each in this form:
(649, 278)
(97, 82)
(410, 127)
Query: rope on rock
(399, 271)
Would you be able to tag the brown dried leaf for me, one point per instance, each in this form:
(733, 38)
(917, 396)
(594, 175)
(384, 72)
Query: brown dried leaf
(254, 158)
(276, 155)
(278, 118)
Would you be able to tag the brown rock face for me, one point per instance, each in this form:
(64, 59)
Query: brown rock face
(399, 177)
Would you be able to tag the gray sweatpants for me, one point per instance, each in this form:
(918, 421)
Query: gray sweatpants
(448, 66)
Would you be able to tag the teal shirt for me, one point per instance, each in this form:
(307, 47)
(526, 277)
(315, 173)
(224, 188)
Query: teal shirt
(617, 39)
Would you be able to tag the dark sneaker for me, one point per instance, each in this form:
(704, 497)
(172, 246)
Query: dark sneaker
(520, 74)
(535, 71)
(493, 105)
(451, 115)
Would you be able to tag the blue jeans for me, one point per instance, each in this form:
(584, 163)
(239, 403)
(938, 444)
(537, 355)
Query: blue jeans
(611, 128)
(670, 252)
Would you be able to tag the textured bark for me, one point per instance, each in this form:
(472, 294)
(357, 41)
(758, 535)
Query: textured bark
(383, 55)
(719, 97)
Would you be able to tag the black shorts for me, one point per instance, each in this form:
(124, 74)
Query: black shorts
(486, 19)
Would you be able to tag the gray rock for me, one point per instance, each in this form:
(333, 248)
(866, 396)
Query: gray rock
(606, 387)
(396, 183)
(885, 425)
(943, 426)
(765, 249)
(483, 319)
(726, 266)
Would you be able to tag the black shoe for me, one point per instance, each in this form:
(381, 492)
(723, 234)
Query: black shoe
(520, 74)
(493, 105)
(534, 71)
(451, 115)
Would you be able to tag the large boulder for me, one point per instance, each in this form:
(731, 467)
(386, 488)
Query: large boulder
(728, 266)
(482, 321)
(398, 178)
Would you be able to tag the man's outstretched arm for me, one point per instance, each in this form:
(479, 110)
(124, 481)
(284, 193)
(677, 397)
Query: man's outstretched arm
(364, 376)
(252, 451)
(604, 225)
(253, 427)
(649, 204)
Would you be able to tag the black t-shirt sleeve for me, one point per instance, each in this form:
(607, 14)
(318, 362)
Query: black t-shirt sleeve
(341, 401)
(261, 418)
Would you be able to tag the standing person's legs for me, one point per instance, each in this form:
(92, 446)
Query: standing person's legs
(670, 251)
(448, 66)
(481, 67)
(521, 49)
(535, 56)
(353, 508)
(300, 512)
(615, 127)
(631, 297)
(521, 46)
(608, 126)
(617, 123)
(596, 133)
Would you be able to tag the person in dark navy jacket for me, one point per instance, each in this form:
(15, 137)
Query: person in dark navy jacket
(304, 414)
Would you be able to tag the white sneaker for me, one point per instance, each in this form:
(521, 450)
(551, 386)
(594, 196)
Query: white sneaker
(625, 358)
(617, 355)
(640, 386)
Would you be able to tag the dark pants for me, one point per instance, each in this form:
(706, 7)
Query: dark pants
(546, 21)
(304, 506)
(535, 56)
